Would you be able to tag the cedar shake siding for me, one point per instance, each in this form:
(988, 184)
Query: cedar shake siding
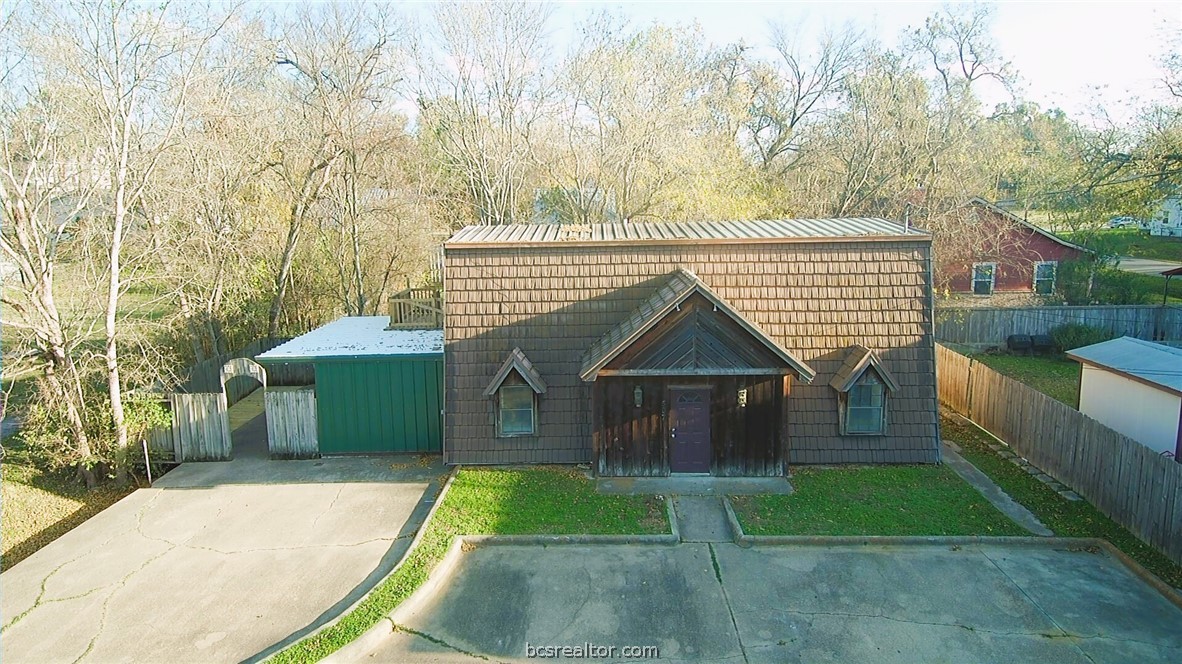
(815, 298)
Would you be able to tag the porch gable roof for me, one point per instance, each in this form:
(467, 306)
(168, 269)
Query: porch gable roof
(680, 286)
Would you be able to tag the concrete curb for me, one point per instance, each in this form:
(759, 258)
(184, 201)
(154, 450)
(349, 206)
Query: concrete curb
(383, 627)
(733, 520)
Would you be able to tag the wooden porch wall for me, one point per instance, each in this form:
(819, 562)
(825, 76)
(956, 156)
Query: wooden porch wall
(745, 441)
(291, 424)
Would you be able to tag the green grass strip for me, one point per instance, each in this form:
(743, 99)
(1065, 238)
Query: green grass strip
(528, 501)
(874, 500)
(1067, 518)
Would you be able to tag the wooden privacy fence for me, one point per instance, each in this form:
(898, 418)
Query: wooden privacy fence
(1129, 482)
(200, 430)
(291, 423)
(991, 326)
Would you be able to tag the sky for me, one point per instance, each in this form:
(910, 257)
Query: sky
(1070, 55)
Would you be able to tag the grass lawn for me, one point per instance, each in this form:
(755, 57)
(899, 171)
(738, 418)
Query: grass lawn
(1053, 375)
(875, 500)
(40, 506)
(544, 501)
(1066, 518)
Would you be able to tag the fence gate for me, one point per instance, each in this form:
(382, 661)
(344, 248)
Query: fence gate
(200, 428)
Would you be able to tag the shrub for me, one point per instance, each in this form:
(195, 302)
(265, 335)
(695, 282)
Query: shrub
(1075, 335)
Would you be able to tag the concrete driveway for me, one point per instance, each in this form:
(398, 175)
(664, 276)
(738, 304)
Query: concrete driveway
(721, 603)
(217, 563)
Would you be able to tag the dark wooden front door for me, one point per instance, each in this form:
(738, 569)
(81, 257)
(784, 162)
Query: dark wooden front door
(689, 430)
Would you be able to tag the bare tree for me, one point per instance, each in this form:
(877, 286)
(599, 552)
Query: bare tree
(802, 86)
(483, 93)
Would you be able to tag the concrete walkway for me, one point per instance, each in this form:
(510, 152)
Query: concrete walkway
(723, 603)
(993, 493)
(702, 519)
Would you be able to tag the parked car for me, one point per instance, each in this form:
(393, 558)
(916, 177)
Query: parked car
(1123, 222)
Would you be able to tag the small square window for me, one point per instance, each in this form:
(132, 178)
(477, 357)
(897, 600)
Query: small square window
(984, 275)
(517, 410)
(1044, 277)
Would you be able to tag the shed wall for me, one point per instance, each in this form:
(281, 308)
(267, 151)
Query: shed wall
(815, 298)
(1141, 412)
(379, 405)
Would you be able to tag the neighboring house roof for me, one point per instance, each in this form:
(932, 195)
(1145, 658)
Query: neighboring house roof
(1143, 361)
(681, 284)
(725, 231)
(356, 337)
(1010, 216)
(517, 361)
(856, 362)
(1172, 272)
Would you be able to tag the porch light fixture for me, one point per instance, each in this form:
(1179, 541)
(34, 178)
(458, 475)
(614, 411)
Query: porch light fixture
(638, 396)
(743, 398)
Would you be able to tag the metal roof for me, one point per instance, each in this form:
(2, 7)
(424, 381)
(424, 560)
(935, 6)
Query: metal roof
(770, 229)
(1142, 360)
(356, 337)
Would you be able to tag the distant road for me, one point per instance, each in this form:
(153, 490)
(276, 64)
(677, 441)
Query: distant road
(1146, 265)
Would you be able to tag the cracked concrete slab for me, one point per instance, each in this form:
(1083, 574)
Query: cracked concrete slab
(858, 603)
(205, 573)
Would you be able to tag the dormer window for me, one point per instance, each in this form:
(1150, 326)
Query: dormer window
(516, 387)
(863, 385)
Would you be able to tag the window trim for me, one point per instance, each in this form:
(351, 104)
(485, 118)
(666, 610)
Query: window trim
(533, 411)
(1054, 277)
(846, 406)
(992, 279)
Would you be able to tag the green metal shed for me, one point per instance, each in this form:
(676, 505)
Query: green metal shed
(377, 390)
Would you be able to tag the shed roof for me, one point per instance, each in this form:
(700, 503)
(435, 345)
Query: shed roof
(356, 337)
(680, 285)
(1143, 361)
(692, 231)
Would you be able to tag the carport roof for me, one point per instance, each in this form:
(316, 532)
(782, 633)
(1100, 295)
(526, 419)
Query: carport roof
(357, 337)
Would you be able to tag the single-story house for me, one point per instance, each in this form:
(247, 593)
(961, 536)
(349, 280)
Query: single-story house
(377, 390)
(727, 348)
(1134, 387)
(1013, 255)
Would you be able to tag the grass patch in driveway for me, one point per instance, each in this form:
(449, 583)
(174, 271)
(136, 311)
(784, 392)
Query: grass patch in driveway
(40, 506)
(528, 501)
(1067, 518)
(874, 500)
(1053, 375)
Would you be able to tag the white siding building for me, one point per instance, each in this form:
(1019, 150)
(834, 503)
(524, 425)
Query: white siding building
(1134, 387)
(1167, 221)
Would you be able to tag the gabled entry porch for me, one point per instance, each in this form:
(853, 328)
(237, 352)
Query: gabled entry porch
(687, 384)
